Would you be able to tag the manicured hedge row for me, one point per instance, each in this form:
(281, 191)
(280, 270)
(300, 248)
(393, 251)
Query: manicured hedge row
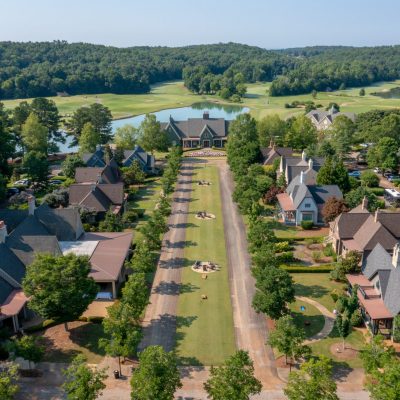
(292, 240)
(315, 269)
(48, 323)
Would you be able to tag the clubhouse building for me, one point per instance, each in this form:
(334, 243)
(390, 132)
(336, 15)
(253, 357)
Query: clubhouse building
(197, 132)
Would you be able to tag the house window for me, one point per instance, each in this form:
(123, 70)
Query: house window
(307, 205)
(307, 217)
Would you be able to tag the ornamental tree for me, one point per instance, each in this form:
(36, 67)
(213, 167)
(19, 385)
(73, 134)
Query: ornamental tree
(82, 382)
(59, 287)
(9, 382)
(234, 379)
(157, 376)
(28, 348)
(332, 208)
(313, 381)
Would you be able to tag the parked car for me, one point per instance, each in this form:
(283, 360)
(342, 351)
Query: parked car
(23, 182)
(55, 182)
(11, 191)
(377, 170)
(355, 174)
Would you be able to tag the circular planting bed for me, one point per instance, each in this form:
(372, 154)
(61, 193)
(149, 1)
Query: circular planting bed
(348, 353)
(205, 215)
(205, 267)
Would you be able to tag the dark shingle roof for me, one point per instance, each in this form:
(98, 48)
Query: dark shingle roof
(88, 174)
(322, 193)
(12, 218)
(11, 264)
(193, 127)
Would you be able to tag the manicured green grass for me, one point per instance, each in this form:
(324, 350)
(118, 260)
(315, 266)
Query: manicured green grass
(317, 287)
(205, 333)
(174, 94)
(315, 320)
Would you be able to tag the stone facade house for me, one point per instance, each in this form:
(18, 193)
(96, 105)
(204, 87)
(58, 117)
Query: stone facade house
(197, 132)
(322, 119)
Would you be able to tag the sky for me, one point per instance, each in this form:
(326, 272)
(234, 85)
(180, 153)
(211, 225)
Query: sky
(269, 24)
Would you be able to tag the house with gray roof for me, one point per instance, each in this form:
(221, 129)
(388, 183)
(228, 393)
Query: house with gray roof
(303, 200)
(145, 160)
(378, 288)
(322, 119)
(359, 230)
(53, 231)
(273, 152)
(292, 166)
(197, 132)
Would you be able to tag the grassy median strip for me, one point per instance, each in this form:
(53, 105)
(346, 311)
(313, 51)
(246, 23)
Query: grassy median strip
(205, 333)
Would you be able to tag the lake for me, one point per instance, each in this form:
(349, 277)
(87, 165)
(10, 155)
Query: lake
(196, 110)
(393, 93)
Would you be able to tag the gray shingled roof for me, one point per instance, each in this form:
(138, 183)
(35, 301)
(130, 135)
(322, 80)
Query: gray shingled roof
(193, 127)
(319, 115)
(11, 264)
(349, 223)
(12, 218)
(322, 193)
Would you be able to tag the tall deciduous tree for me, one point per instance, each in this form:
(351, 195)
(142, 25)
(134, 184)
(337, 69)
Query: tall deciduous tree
(126, 137)
(98, 115)
(133, 174)
(234, 380)
(343, 326)
(34, 135)
(333, 172)
(59, 287)
(9, 382)
(135, 294)
(271, 128)
(274, 292)
(332, 208)
(70, 164)
(151, 136)
(157, 376)
(342, 133)
(288, 339)
(88, 139)
(313, 382)
(82, 382)
(123, 334)
(36, 166)
(301, 134)
(384, 154)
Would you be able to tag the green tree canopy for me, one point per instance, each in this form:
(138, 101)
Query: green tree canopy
(133, 174)
(82, 382)
(112, 223)
(342, 134)
(333, 172)
(274, 291)
(89, 139)
(313, 382)
(151, 136)
(9, 377)
(126, 137)
(157, 376)
(384, 154)
(36, 166)
(356, 196)
(59, 287)
(234, 379)
(135, 294)
(271, 128)
(34, 135)
(70, 164)
(301, 134)
(28, 347)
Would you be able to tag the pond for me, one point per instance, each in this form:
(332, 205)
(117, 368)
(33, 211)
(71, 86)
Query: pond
(196, 110)
(393, 93)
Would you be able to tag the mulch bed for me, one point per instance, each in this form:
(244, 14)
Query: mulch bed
(347, 354)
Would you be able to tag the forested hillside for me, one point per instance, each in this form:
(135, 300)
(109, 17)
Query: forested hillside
(43, 69)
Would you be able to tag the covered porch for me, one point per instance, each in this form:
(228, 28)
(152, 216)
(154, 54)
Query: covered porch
(287, 210)
(377, 318)
(13, 310)
(190, 143)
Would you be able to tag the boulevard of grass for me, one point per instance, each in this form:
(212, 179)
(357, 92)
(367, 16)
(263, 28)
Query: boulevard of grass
(205, 332)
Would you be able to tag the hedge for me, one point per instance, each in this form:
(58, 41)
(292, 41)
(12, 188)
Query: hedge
(292, 240)
(378, 191)
(48, 323)
(313, 269)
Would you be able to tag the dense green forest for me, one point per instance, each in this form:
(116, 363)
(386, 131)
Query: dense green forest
(45, 68)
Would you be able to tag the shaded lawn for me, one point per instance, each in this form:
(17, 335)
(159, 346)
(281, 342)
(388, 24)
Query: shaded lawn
(205, 333)
(316, 286)
(81, 338)
(311, 315)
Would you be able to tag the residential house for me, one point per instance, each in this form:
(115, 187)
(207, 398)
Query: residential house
(145, 160)
(292, 166)
(359, 230)
(56, 232)
(322, 119)
(197, 132)
(303, 200)
(273, 152)
(98, 189)
(378, 288)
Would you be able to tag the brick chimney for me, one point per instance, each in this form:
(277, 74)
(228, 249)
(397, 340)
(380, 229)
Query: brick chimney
(31, 204)
(395, 257)
(206, 115)
(3, 232)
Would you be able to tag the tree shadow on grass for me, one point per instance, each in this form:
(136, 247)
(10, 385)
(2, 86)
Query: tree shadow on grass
(53, 353)
(185, 322)
(315, 291)
(88, 336)
(312, 324)
(174, 263)
(341, 370)
(185, 225)
(174, 289)
(180, 244)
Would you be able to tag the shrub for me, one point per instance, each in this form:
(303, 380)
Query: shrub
(380, 204)
(377, 191)
(341, 304)
(48, 323)
(130, 216)
(316, 256)
(132, 192)
(335, 294)
(282, 246)
(328, 251)
(370, 179)
(285, 257)
(307, 225)
(396, 329)
(356, 318)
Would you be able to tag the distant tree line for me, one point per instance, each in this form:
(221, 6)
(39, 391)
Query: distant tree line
(47, 68)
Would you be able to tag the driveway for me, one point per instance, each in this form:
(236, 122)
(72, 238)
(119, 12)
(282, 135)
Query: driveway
(159, 325)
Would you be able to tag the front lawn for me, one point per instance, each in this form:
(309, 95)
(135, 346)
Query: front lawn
(309, 318)
(80, 338)
(205, 332)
